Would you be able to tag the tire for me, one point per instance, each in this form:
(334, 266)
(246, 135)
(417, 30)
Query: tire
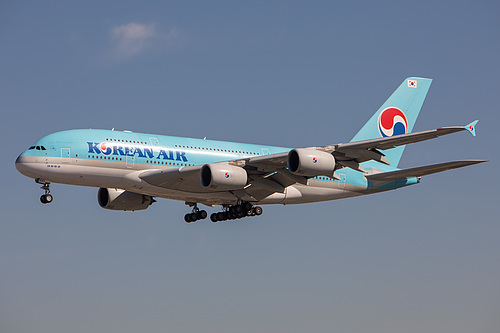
(194, 217)
(257, 210)
(42, 199)
(187, 218)
(247, 206)
(202, 214)
(220, 216)
(213, 217)
(48, 198)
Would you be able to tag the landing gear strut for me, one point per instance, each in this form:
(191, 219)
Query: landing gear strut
(196, 213)
(47, 197)
(236, 212)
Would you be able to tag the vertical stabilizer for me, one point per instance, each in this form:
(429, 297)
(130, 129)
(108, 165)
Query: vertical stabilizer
(397, 115)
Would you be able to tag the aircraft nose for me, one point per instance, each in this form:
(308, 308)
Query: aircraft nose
(20, 163)
(25, 167)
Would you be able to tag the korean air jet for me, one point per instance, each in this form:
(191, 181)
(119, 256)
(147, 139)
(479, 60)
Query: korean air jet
(131, 169)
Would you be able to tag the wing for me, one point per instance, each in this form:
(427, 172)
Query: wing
(266, 176)
(353, 153)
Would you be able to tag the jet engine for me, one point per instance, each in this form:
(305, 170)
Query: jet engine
(116, 199)
(223, 177)
(310, 162)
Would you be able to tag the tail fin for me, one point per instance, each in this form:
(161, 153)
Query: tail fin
(397, 115)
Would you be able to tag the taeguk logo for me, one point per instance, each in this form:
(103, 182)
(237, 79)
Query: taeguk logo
(392, 121)
(106, 149)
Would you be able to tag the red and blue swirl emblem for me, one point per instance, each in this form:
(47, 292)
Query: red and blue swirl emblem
(315, 160)
(105, 148)
(392, 121)
(226, 175)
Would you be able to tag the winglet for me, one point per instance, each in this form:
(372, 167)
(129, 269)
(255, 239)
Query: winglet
(472, 127)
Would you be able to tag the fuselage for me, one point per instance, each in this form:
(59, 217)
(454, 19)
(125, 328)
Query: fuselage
(115, 159)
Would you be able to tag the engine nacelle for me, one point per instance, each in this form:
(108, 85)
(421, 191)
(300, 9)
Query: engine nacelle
(223, 177)
(311, 162)
(115, 199)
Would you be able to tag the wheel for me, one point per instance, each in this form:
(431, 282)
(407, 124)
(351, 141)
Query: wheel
(46, 198)
(257, 210)
(213, 217)
(247, 206)
(194, 217)
(202, 214)
(220, 216)
(250, 212)
(187, 218)
(238, 208)
(240, 214)
(225, 216)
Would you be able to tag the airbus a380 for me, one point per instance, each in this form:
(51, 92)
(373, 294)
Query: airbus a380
(131, 169)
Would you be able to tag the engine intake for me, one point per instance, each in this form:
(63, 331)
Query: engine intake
(311, 162)
(115, 199)
(223, 177)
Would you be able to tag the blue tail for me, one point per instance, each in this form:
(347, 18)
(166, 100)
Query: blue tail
(397, 115)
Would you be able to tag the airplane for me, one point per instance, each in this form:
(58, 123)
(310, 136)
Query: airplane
(131, 169)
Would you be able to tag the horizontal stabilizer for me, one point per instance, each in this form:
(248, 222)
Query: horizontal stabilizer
(421, 171)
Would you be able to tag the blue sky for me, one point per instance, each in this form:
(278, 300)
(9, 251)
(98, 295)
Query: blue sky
(295, 74)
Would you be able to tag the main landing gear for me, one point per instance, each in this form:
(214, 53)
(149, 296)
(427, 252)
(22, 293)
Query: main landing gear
(196, 214)
(47, 197)
(236, 212)
(230, 212)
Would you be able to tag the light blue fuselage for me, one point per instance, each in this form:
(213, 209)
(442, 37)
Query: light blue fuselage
(114, 159)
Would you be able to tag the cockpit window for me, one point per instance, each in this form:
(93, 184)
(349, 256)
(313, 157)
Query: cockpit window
(31, 148)
(37, 148)
(43, 148)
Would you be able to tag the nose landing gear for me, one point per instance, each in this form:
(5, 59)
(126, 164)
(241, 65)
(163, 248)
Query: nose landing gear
(47, 197)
